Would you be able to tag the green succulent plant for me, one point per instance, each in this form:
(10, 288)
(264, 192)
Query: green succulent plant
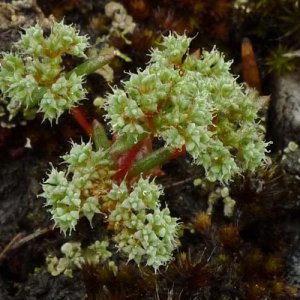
(71, 193)
(33, 79)
(188, 100)
(193, 102)
(38, 63)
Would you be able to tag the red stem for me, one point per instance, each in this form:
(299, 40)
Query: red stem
(126, 159)
(81, 120)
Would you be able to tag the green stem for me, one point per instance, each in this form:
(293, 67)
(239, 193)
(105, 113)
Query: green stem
(99, 136)
(91, 65)
(154, 159)
(125, 142)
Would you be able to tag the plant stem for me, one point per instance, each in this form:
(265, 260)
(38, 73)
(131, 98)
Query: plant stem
(81, 120)
(91, 65)
(126, 160)
(125, 142)
(156, 158)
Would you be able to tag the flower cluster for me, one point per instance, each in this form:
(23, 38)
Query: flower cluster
(80, 189)
(37, 68)
(186, 100)
(145, 232)
(74, 255)
(192, 101)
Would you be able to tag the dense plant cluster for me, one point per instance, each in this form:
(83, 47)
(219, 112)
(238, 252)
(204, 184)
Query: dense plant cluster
(74, 255)
(144, 231)
(164, 188)
(193, 102)
(36, 68)
(190, 101)
(78, 190)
